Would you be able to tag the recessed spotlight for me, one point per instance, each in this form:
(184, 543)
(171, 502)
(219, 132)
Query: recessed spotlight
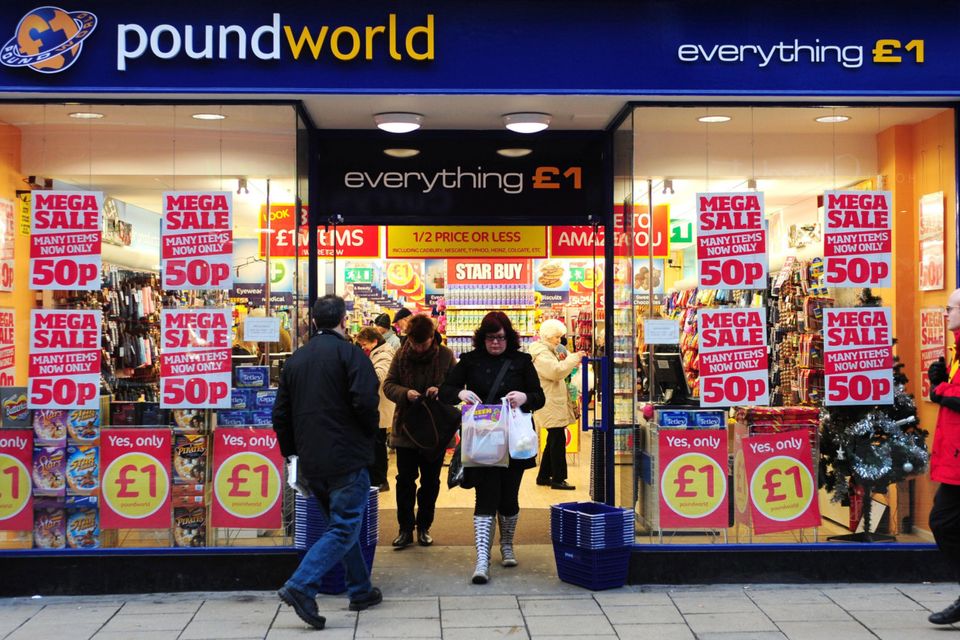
(530, 122)
(514, 152)
(208, 116)
(86, 115)
(832, 119)
(402, 153)
(398, 122)
(713, 119)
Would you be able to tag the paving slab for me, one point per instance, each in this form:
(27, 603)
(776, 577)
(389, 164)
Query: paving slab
(579, 626)
(481, 618)
(645, 614)
(739, 622)
(649, 631)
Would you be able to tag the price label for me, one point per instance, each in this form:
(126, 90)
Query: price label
(135, 485)
(247, 485)
(15, 488)
(782, 488)
(694, 485)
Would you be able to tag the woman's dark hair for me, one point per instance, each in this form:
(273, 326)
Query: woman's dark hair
(492, 323)
(369, 334)
(420, 328)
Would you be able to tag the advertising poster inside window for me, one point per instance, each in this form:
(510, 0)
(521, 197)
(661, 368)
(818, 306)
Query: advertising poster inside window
(857, 356)
(7, 233)
(16, 487)
(933, 344)
(733, 357)
(195, 362)
(247, 479)
(7, 348)
(136, 480)
(66, 232)
(197, 240)
(731, 241)
(64, 369)
(931, 242)
(857, 238)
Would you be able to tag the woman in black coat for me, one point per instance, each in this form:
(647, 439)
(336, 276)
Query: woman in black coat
(496, 345)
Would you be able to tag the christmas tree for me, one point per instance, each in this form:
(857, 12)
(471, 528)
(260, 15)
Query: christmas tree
(871, 446)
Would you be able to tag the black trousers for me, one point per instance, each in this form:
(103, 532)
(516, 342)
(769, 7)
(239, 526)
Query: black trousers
(498, 490)
(945, 523)
(411, 463)
(378, 472)
(553, 463)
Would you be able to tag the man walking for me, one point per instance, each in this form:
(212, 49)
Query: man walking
(945, 458)
(326, 413)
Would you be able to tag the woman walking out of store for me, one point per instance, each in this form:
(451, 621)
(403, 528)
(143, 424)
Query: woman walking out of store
(558, 412)
(495, 369)
(417, 371)
(381, 355)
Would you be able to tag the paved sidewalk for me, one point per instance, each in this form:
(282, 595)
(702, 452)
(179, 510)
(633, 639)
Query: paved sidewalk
(427, 595)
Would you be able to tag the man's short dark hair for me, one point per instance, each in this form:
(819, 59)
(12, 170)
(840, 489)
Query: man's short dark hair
(328, 311)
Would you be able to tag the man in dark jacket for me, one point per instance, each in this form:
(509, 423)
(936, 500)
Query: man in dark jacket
(326, 414)
(945, 458)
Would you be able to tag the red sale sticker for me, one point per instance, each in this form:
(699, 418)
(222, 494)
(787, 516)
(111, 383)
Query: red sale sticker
(195, 360)
(247, 479)
(779, 481)
(857, 356)
(731, 241)
(135, 481)
(693, 479)
(64, 361)
(733, 357)
(197, 240)
(857, 238)
(66, 230)
(16, 484)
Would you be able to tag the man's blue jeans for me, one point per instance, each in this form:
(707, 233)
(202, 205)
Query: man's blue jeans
(348, 496)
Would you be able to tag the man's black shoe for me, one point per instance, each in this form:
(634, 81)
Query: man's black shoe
(403, 539)
(562, 485)
(304, 606)
(385, 487)
(373, 597)
(948, 616)
(543, 483)
(424, 539)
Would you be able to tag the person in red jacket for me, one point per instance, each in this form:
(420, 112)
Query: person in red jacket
(945, 457)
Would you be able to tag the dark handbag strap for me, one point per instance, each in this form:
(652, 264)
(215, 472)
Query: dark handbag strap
(433, 423)
(496, 382)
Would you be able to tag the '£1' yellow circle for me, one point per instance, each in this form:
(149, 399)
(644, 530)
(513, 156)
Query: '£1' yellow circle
(135, 485)
(693, 485)
(14, 486)
(247, 484)
(782, 488)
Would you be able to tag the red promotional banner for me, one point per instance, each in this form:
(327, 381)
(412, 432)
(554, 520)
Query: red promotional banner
(351, 241)
(731, 241)
(64, 365)
(484, 271)
(857, 238)
(195, 360)
(247, 479)
(733, 357)
(197, 240)
(7, 348)
(135, 485)
(933, 344)
(931, 241)
(16, 484)
(7, 242)
(781, 483)
(66, 230)
(693, 478)
(580, 242)
(857, 356)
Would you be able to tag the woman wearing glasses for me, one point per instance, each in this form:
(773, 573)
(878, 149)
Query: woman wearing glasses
(495, 369)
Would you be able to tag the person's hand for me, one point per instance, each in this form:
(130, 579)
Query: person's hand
(516, 398)
(580, 355)
(938, 372)
(413, 395)
(469, 397)
(432, 392)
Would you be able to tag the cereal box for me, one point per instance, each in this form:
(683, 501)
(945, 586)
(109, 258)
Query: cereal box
(14, 403)
(49, 474)
(83, 470)
(49, 529)
(83, 426)
(83, 529)
(50, 427)
(189, 459)
(189, 527)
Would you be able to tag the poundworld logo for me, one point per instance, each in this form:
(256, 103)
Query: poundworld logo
(48, 39)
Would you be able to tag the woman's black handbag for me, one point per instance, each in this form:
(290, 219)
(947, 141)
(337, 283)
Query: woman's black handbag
(430, 424)
(455, 470)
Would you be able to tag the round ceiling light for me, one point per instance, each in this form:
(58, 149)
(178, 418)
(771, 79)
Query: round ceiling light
(530, 122)
(402, 153)
(208, 116)
(832, 119)
(86, 115)
(398, 122)
(515, 152)
(713, 119)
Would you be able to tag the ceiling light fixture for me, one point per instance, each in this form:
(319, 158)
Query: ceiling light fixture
(86, 115)
(713, 119)
(832, 119)
(402, 153)
(208, 116)
(530, 122)
(515, 152)
(398, 122)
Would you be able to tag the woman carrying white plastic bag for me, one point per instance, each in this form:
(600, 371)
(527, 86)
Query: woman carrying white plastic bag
(484, 433)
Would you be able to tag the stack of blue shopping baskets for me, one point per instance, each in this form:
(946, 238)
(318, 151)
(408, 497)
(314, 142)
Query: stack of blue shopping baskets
(310, 525)
(591, 542)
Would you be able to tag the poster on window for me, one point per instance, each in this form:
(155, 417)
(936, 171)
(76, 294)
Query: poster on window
(7, 234)
(197, 240)
(857, 356)
(731, 241)
(66, 231)
(857, 238)
(16, 484)
(931, 242)
(247, 479)
(780, 481)
(7, 348)
(693, 478)
(933, 344)
(64, 360)
(733, 357)
(195, 360)
(135, 481)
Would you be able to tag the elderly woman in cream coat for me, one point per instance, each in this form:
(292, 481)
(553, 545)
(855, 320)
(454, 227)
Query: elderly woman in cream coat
(558, 412)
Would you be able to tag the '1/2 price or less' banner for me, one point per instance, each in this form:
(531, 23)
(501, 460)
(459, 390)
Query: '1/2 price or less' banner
(933, 344)
(693, 478)
(733, 357)
(857, 356)
(135, 481)
(16, 484)
(197, 240)
(857, 238)
(195, 358)
(64, 367)
(782, 488)
(66, 231)
(731, 241)
(247, 479)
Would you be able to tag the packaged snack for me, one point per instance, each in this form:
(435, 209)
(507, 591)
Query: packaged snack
(187, 501)
(252, 377)
(189, 459)
(14, 403)
(50, 427)
(265, 399)
(713, 419)
(83, 470)
(233, 418)
(180, 490)
(49, 529)
(83, 528)
(241, 399)
(674, 419)
(189, 420)
(83, 426)
(152, 415)
(123, 414)
(261, 418)
(48, 471)
(189, 527)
